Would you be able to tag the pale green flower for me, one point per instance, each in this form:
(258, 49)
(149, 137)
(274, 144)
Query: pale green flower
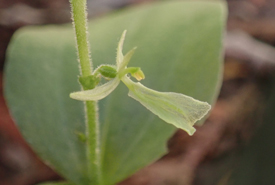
(177, 109)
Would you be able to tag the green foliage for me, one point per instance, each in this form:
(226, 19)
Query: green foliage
(179, 46)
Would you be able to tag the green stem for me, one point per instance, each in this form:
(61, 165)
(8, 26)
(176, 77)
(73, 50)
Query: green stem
(79, 16)
(92, 134)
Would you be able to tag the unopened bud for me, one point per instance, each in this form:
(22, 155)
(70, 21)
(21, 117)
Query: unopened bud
(139, 75)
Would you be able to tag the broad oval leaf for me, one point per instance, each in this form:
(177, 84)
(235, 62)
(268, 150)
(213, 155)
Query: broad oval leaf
(179, 46)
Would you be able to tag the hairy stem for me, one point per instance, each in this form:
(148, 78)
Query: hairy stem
(79, 17)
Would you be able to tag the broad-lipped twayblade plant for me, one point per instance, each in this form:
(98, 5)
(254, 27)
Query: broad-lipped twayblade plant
(180, 110)
(177, 109)
(106, 141)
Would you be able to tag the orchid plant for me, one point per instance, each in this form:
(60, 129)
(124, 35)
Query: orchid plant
(180, 110)
(106, 138)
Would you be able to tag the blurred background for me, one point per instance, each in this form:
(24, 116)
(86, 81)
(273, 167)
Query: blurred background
(236, 145)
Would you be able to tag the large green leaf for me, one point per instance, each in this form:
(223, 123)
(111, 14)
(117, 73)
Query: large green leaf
(179, 46)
